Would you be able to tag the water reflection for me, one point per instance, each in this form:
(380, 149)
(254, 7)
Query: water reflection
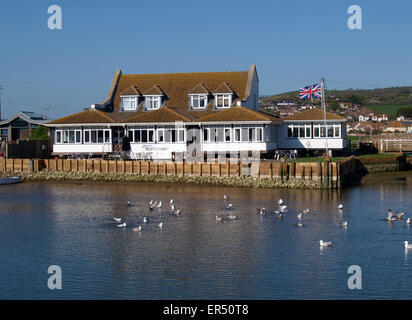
(193, 256)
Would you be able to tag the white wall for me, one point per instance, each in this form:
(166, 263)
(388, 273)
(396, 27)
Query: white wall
(159, 151)
(238, 146)
(253, 101)
(82, 148)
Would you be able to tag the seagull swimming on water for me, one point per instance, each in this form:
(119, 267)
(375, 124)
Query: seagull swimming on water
(123, 225)
(152, 205)
(261, 211)
(137, 229)
(145, 219)
(408, 221)
(407, 245)
(160, 225)
(117, 219)
(325, 243)
(305, 211)
(219, 218)
(400, 215)
(390, 216)
(226, 197)
(345, 224)
(280, 201)
(340, 206)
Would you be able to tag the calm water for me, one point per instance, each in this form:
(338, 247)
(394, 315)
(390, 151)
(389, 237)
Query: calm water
(195, 257)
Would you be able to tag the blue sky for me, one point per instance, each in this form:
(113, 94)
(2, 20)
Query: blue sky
(292, 42)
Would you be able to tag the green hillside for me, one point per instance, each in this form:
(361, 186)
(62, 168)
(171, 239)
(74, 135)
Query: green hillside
(374, 97)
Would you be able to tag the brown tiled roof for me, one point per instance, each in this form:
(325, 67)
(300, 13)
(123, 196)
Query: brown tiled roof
(200, 88)
(178, 86)
(131, 91)
(395, 124)
(238, 114)
(223, 88)
(154, 90)
(163, 114)
(315, 114)
(87, 116)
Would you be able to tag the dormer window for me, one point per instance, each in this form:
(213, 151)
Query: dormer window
(130, 98)
(154, 97)
(223, 96)
(153, 102)
(198, 101)
(223, 100)
(130, 103)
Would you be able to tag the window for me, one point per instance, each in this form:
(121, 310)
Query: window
(237, 135)
(69, 136)
(141, 135)
(97, 135)
(152, 102)
(332, 131)
(206, 135)
(130, 103)
(227, 135)
(198, 101)
(299, 131)
(171, 135)
(223, 100)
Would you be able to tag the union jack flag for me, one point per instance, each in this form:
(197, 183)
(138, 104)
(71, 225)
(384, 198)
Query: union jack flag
(311, 92)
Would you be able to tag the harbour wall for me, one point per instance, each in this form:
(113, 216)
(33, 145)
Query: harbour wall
(324, 174)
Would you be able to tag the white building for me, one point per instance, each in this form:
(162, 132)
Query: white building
(165, 116)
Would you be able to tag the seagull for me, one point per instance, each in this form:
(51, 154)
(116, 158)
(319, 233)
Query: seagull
(280, 215)
(152, 205)
(219, 218)
(400, 215)
(117, 219)
(261, 211)
(280, 202)
(159, 205)
(122, 225)
(137, 229)
(145, 219)
(390, 216)
(325, 243)
(176, 212)
(171, 201)
(299, 224)
(226, 197)
(305, 211)
(283, 208)
(129, 204)
(172, 207)
(229, 206)
(300, 215)
(407, 245)
(345, 224)
(408, 221)
(231, 216)
(160, 225)
(340, 206)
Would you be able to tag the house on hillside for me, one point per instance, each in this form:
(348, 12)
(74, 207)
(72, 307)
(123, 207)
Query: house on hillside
(395, 126)
(181, 115)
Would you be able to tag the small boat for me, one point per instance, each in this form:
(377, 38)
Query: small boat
(10, 180)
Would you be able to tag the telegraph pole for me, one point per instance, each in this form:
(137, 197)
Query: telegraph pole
(324, 114)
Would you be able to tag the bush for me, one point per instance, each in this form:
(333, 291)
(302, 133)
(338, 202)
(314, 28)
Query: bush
(40, 133)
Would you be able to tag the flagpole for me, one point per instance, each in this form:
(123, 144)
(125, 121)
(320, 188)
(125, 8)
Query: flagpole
(324, 115)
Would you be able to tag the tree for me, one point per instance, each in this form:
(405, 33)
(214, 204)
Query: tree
(334, 105)
(405, 111)
(40, 133)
